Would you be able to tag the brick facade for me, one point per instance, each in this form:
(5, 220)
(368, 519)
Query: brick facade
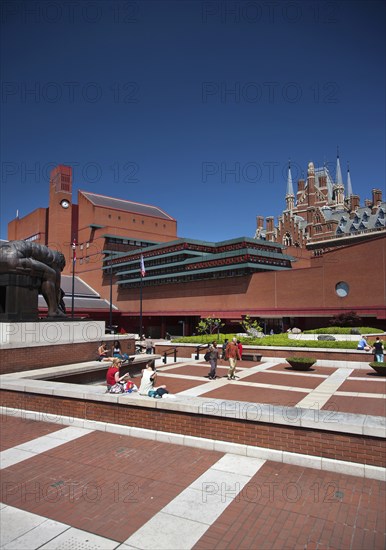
(303, 296)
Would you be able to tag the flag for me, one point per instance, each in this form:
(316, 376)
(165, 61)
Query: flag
(73, 246)
(143, 271)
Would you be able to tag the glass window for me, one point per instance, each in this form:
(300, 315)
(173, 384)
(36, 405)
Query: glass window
(342, 289)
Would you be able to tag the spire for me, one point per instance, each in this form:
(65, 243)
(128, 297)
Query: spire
(290, 196)
(349, 186)
(338, 178)
(290, 189)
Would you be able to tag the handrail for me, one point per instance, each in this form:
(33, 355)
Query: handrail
(174, 350)
(198, 349)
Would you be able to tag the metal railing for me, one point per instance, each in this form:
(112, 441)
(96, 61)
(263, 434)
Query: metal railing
(169, 352)
(198, 350)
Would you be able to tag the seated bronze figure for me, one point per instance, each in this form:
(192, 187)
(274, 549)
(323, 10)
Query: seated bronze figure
(40, 262)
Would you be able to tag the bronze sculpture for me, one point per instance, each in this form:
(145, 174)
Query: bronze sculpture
(39, 268)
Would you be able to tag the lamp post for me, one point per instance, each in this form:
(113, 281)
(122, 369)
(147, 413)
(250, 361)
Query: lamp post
(111, 295)
(142, 274)
(73, 246)
(140, 308)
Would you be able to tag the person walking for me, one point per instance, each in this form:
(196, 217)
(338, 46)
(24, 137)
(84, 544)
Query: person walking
(224, 347)
(149, 345)
(213, 358)
(232, 355)
(240, 346)
(378, 350)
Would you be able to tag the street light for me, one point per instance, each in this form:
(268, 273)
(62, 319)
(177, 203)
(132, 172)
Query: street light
(111, 295)
(73, 246)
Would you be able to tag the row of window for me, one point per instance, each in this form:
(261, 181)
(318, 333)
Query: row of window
(134, 220)
(189, 278)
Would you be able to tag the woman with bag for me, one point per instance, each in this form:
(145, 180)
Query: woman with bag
(112, 375)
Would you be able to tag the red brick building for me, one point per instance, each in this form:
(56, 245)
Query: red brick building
(323, 211)
(327, 272)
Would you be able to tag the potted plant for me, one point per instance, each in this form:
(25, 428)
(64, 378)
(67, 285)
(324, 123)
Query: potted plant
(379, 367)
(301, 363)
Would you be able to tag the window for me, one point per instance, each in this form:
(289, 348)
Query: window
(342, 289)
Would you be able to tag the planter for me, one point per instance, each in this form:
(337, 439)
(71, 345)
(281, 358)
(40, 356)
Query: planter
(379, 367)
(301, 363)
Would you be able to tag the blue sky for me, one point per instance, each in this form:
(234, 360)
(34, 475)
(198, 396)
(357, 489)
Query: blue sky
(194, 106)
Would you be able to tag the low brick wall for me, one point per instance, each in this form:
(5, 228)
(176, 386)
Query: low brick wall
(347, 447)
(13, 359)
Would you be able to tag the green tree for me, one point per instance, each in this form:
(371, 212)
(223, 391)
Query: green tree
(209, 325)
(348, 319)
(250, 326)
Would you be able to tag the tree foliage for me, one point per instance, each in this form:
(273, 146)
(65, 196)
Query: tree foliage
(209, 325)
(348, 319)
(250, 326)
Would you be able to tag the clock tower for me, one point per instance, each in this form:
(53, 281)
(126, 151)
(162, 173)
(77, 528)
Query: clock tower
(60, 226)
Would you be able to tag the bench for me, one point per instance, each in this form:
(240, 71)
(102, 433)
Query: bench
(251, 357)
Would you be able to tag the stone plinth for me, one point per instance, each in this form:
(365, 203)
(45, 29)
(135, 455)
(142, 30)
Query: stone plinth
(18, 297)
(48, 333)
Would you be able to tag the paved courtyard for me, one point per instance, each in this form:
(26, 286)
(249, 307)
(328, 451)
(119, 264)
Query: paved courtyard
(75, 487)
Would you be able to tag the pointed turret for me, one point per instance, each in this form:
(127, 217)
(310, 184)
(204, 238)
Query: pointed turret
(338, 175)
(338, 187)
(290, 195)
(349, 186)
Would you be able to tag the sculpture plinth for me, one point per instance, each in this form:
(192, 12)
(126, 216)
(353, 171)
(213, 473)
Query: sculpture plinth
(18, 297)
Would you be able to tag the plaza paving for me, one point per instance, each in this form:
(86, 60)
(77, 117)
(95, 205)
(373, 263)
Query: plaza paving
(76, 487)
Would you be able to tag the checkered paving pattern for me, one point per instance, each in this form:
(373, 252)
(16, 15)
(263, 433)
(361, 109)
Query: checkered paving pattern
(279, 384)
(102, 490)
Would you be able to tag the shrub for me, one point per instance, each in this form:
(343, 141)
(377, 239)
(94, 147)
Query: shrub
(279, 340)
(347, 319)
(301, 363)
(343, 330)
(379, 367)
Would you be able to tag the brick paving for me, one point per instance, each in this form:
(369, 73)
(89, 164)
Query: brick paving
(279, 375)
(370, 373)
(111, 485)
(285, 506)
(15, 431)
(104, 483)
(284, 379)
(284, 367)
(376, 386)
(237, 392)
(356, 404)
